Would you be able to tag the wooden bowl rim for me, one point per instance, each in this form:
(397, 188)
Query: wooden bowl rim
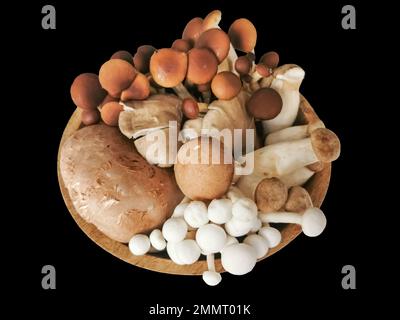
(317, 187)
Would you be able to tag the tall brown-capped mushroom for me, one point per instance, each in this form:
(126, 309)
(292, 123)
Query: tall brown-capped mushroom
(202, 66)
(138, 90)
(270, 194)
(265, 104)
(168, 68)
(243, 35)
(226, 85)
(141, 59)
(215, 40)
(116, 75)
(124, 55)
(298, 200)
(86, 91)
(193, 30)
(181, 45)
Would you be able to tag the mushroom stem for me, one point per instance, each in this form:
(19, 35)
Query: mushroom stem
(293, 133)
(232, 57)
(234, 194)
(280, 217)
(182, 92)
(210, 262)
(297, 177)
(312, 221)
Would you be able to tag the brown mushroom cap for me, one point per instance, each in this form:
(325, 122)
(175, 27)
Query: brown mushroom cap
(243, 35)
(86, 91)
(326, 144)
(123, 55)
(207, 180)
(215, 40)
(193, 30)
(141, 59)
(107, 99)
(226, 85)
(265, 104)
(270, 59)
(243, 65)
(110, 113)
(138, 90)
(271, 195)
(90, 116)
(116, 75)
(263, 70)
(168, 67)
(202, 65)
(298, 200)
(181, 45)
(190, 108)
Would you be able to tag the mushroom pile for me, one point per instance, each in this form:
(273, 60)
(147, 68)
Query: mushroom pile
(206, 82)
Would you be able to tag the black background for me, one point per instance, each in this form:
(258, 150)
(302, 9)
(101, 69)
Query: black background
(307, 273)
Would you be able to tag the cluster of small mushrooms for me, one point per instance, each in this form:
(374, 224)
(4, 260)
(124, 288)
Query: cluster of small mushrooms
(209, 80)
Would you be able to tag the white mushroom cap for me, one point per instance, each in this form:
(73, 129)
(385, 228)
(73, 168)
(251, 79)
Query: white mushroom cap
(157, 240)
(230, 240)
(238, 259)
(259, 244)
(256, 225)
(244, 209)
(179, 210)
(272, 235)
(196, 214)
(220, 210)
(187, 251)
(313, 222)
(174, 229)
(238, 228)
(211, 238)
(139, 244)
(171, 250)
(212, 278)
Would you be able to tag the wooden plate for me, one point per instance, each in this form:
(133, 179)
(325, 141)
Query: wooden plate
(317, 186)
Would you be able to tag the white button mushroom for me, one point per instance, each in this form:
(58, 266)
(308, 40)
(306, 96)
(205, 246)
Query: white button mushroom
(171, 250)
(157, 240)
(139, 244)
(179, 210)
(256, 225)
(238, 228)
(220, 210)
(212, 278)
(244, 209)
(312, 221)
(187, 251)
(238, 259)
(259, 244)
(273, 235)
(174, 229)
(230, 240)
(211, 238)
(196, 214)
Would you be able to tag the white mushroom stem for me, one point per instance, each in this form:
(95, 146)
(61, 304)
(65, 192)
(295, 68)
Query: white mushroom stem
(293, 133)
(182, 92)
(210, 262)
(232, 57)
(191, 129)
(297, 177)
(312, 221)
(286, 81)
(224, 66)
(282, 158)
(249, 185)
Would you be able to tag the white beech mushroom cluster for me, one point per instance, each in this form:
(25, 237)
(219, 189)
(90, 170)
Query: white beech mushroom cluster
(206, 82)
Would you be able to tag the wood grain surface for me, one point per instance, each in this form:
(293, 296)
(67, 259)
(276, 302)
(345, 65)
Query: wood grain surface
(317, 186)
